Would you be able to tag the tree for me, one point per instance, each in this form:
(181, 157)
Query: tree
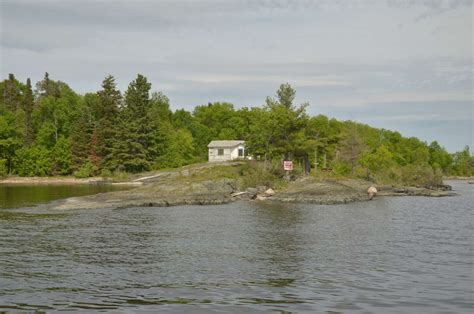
(34, 161)
(380, 159)
(439, 157)
(463, 163)
(286, 121)
(135, 136)
(179, 151)
(12, 94)
(81, 136)
(48, 87)
(9, 138)
(28, 105)
(61, 157)
(352, 146)
(109, 99)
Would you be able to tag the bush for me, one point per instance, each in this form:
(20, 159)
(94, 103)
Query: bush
(341, 168)
(106, 173)
(117, 175)
(421, 176)
(254, 174)
(35, 161)
(3, 168)
(87, 170)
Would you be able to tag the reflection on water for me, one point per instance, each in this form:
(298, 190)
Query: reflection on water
(14, 196)
(393, 254)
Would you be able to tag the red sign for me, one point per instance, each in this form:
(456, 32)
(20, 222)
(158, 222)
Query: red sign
(287, 165)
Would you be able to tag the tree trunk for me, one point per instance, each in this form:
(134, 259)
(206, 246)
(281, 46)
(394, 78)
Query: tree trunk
(316, 160)
(306, 164)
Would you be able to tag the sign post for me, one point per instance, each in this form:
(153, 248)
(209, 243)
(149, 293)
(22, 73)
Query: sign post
(287, 166)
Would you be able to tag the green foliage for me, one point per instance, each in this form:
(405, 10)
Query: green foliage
(3, 168)
(341, 168)
(55, 131)
(86, 170)
(463, 163)
(379, 160)
(109, 100)
(179, 151)
(62, 157)
(28, 105)
(131, 149)
(420, 175)
(352, 146)
(254, 174)
(34, 161)
(81, 139)
(10, 138)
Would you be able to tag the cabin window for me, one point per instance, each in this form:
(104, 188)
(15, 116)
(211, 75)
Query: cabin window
(241, 152)
(220, 152)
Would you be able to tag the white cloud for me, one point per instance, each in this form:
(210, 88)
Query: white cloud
(340, 55)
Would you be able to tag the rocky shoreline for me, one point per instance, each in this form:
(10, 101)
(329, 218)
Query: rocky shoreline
(173, 192)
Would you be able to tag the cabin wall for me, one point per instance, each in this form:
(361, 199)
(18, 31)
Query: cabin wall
(214, 156)
(229, 154)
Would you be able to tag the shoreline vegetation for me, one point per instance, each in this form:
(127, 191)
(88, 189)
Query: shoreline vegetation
(221, 183)
(134, 137)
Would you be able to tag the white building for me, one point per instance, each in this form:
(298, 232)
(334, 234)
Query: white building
(226, 150)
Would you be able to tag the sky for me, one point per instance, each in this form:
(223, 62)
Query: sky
(401, 65)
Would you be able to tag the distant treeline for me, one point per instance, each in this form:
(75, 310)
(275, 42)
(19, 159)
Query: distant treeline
(52, 130)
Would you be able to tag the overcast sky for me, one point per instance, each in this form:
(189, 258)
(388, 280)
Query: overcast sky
(401, 65)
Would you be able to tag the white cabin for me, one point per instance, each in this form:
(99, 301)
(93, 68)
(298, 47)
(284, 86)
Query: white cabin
(226, 150)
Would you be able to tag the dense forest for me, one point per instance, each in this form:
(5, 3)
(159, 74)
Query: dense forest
(52, 130)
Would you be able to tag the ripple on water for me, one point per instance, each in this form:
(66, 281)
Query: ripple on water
(389, 255)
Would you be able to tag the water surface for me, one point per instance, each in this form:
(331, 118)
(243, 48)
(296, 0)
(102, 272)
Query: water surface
(22, 195)
(400, 254)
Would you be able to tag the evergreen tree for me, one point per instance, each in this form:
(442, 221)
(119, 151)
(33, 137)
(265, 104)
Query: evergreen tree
(286, 121)
(62, 157)
(133, 146)
(28, 105)
(9, 138)
(352, 147)
(109, 104)
(48, 87)
(12, 96)
(81, 140)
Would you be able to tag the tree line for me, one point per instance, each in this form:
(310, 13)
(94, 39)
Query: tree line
(52, 130)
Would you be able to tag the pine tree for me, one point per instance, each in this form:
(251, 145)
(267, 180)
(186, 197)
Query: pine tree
(133, 145)
(93, 157)
(109, 104)
(28, 104)
(81, 140)
(12, 94)
(48, 87)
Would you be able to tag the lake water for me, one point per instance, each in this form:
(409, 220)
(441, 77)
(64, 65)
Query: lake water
(18, 195)
(405, 254)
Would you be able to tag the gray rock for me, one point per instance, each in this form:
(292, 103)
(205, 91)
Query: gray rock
(252, 192)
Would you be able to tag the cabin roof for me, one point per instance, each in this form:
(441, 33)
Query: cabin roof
(224, 144)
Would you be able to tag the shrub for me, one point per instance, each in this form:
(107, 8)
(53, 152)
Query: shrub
(35, 161)
(3, 168)
(253, 175)
(421, 175)
(87, 170)
(341, 168)
(106, 173)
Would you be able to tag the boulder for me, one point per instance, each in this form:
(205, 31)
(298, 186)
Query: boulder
(261, 189)
(371, 192)
(269, 192)
(252, 192)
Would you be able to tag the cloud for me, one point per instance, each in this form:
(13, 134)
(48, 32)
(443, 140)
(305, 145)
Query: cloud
(345, 58)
